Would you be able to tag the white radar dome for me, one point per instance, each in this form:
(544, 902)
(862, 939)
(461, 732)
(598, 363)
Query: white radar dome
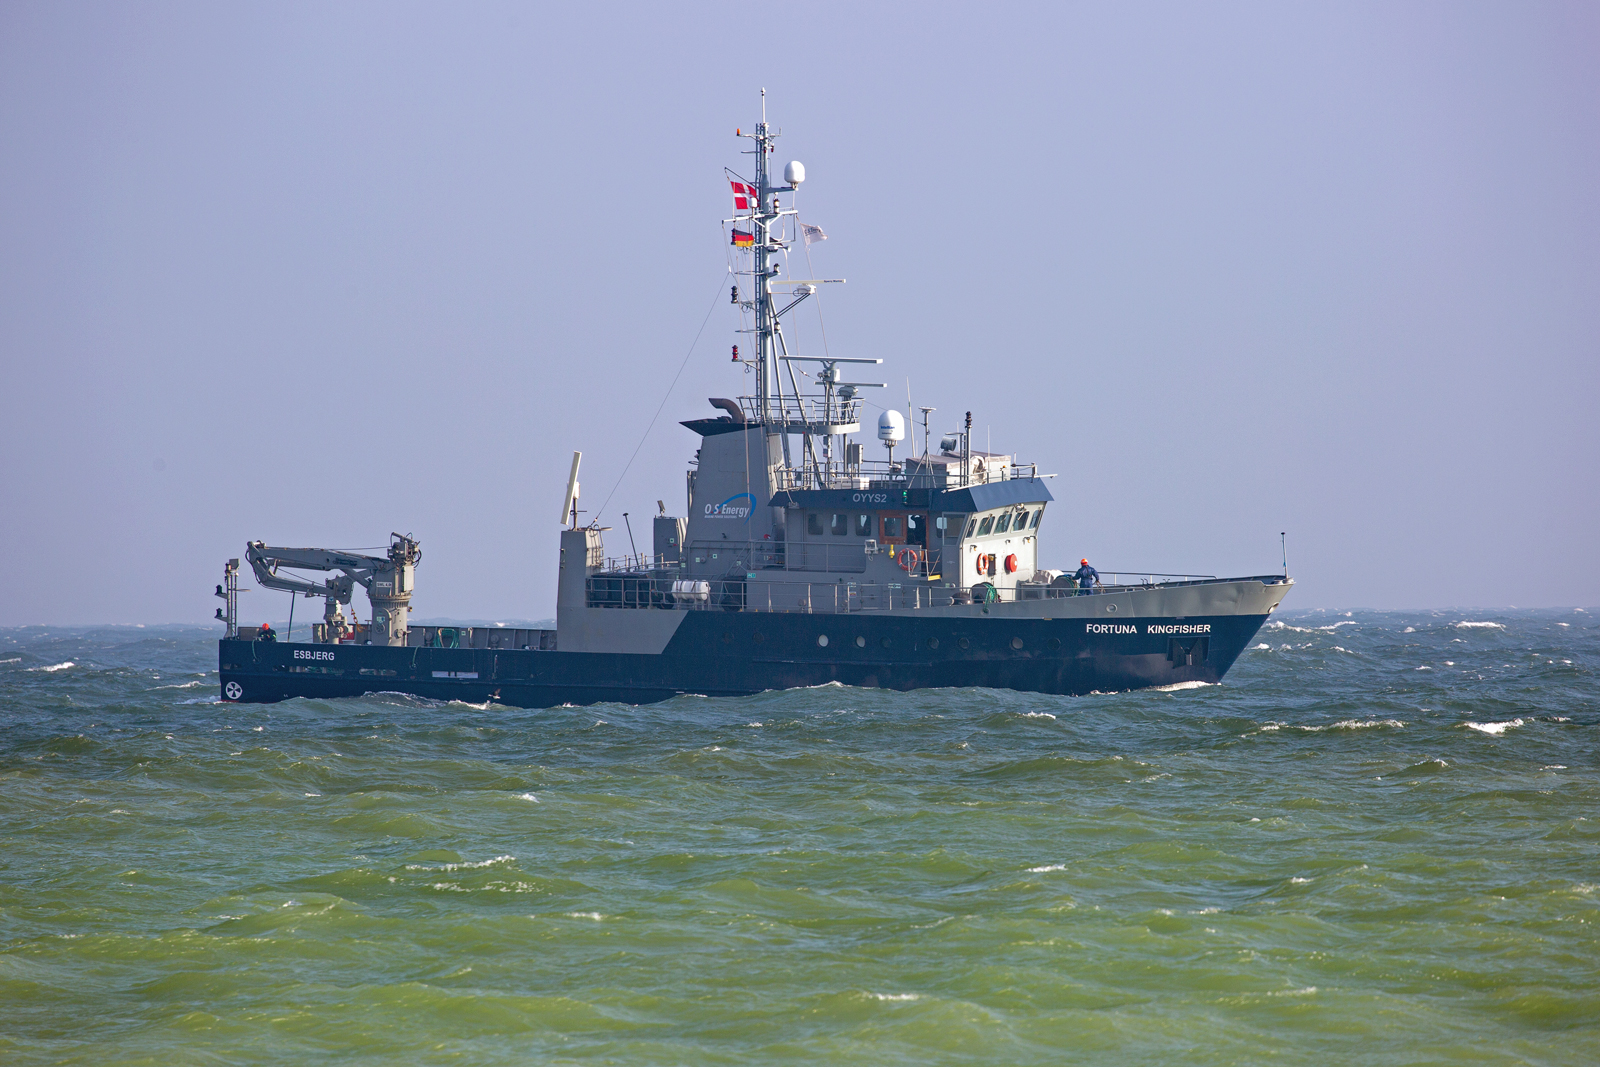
(794, 172)
(891, 426)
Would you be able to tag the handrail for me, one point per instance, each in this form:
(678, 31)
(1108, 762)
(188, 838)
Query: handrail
(631, 591)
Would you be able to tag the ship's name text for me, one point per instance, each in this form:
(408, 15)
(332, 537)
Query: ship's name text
(301, 653)
(1150, 628)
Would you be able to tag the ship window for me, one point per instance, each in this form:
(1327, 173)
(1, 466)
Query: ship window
(986, 525)
(971, 526)
(863, 525)
(893, 527)
(941, 524)
(1002, 523)
(933, 642)
(813, 524)
(1037, 515)
(861, 642)
(840, 525)
(916, 529)
(1022, 520)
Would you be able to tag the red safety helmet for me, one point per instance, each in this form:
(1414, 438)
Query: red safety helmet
(1084, 562)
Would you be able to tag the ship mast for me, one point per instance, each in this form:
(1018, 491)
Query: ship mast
(765, 215)
(825, 414)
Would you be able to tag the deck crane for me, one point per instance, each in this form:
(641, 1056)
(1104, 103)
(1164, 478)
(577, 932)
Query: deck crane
(388, 581)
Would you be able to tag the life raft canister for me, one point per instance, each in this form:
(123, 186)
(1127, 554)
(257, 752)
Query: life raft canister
(1011, 564)
(908, 558)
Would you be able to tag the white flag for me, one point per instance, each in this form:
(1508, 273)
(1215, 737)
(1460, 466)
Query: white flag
(812, 234)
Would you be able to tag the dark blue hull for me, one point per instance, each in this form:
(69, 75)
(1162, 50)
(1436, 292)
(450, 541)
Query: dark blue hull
(736, 654)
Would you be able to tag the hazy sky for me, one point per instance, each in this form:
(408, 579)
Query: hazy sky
(310, 273)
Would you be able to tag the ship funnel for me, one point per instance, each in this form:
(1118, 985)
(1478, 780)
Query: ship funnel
(794, 172)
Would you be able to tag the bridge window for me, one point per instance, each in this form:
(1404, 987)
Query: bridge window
(986, 525)
(863, 525)
(1022, 520)
(916, 530)
(1002, 523)
(893, 528)
(1037, 515)
(840, 525)
(813, 524)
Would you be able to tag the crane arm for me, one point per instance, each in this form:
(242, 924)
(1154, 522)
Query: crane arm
(265, 561)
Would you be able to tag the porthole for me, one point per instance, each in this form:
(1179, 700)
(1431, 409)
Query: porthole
(963, 642)
(886, 642)
(1016, 642)
(1111, 607)
(861, 642)
(1055, 644)
(822, 640)
(933, 642)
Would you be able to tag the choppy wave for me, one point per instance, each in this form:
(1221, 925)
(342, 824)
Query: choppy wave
(945, 875)
(54, 667)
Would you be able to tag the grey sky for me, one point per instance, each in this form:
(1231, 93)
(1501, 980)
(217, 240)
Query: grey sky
(311, 273)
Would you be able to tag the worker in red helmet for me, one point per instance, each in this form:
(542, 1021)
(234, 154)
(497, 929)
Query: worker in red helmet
(1087, 578)
(267, 633)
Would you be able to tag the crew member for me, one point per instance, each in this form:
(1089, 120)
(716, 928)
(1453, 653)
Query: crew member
(267, 633)
(1087, 577)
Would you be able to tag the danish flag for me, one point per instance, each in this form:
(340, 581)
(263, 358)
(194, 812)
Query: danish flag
(744, 196)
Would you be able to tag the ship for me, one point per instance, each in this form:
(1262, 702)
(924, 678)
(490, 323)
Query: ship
(802, 559)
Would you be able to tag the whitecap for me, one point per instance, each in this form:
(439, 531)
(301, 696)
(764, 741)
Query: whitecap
(528, 796)
(56, 667)
(18, 659)
(185, 685)
(1306, 992)
(1409, 630)
(898, 996)
(1263, 647)
(1036, 715)
(1494, 729)
(594, 915)
(1299, 881)
(1480, 626)
(1340, 648)
(459, 866)
(1045, 870)
(1179, 686)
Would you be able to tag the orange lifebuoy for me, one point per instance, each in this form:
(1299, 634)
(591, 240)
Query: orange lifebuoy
(1011, 564)
(908, 558)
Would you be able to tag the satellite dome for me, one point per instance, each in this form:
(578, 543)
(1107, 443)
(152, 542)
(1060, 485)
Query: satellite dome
(794, 172)
(891, 427)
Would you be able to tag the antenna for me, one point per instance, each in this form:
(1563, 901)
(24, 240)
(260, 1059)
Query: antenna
(925, 412)
(629, 525)
(570, 502)
(1283, 543)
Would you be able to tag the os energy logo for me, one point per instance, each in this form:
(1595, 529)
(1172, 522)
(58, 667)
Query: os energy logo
(738, 506)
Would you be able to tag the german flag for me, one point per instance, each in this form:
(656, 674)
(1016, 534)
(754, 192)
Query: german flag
(743, 238)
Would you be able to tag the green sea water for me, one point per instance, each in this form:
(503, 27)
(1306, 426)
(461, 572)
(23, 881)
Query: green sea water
(1378, 842)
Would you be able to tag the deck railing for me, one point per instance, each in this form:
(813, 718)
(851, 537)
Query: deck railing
(626, 591)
